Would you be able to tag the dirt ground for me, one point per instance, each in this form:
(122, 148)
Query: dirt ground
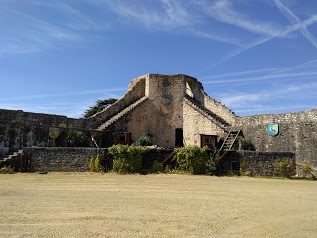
(110, 205)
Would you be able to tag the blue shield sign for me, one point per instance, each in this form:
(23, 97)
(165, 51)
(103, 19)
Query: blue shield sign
(272, 129)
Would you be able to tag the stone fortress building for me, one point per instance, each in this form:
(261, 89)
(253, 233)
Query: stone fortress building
(174, 111)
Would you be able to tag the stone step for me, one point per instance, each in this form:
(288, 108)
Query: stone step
(15, 155)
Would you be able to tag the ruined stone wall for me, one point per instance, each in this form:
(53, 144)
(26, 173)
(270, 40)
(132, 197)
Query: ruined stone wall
(62, 159)
(297, 133)
(196, 124)
(24, 129)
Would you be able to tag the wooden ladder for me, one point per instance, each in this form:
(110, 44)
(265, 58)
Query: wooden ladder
(229, 141)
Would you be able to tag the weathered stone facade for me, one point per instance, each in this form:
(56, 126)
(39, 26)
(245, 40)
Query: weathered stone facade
(174, 110)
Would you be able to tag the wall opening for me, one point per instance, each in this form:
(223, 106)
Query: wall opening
(189, 90)
(179, 140)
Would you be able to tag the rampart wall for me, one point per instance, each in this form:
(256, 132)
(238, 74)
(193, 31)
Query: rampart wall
(24, 129)
(297, 133)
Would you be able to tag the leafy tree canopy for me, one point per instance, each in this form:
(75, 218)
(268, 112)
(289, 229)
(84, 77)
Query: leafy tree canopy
(99, 106)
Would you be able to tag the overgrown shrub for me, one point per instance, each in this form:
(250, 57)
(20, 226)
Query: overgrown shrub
(94, 164)
(283, 169)
(157, 167)
(7, 170)
(213, 163)
(307, 171)
(144, 141)
(246, 144)
(76, 138)
(127, 159)
(192, 159)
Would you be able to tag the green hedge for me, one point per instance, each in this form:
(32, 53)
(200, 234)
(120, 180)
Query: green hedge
(192, 159)
(127, 159)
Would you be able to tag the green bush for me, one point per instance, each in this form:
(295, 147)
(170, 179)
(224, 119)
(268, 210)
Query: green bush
(192, 159)
(94, 164)
(76, 138)
(307, 171)
(157, 167)
(127, 159)
(7, 170)
(144, 141)
(213, 163)
(247, 144)
(283, 169)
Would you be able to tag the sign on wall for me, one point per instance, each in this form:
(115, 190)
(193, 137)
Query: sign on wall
(272, 129)
(54, 132)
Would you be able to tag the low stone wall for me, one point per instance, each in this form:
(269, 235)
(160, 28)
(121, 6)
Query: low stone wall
(261, 163)
(64, 159)
(61, 159)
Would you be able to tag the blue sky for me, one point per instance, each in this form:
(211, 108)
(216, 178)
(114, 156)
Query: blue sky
(255, 56)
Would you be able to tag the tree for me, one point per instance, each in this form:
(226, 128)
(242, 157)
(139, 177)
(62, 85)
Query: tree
(99, 106)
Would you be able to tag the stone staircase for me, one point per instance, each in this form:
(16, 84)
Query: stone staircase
(12, 160)
(121, 114)
(207, 113)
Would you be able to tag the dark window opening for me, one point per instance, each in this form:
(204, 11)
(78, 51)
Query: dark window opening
(235, 165)
(209, 141)
(123, 138)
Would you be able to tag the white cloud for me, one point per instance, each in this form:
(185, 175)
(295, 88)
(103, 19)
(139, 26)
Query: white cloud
(168, 15)
(295, 20)
(262, 78)
(246, 99)
(215, 37)
(245, 72)
(30, 34)
(254, 43)
(223, 11)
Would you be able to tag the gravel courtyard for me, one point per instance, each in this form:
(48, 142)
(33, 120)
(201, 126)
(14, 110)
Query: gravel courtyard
(110, 205)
